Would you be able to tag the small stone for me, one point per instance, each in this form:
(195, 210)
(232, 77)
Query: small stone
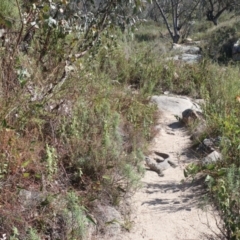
(189, 116)
(212, 158)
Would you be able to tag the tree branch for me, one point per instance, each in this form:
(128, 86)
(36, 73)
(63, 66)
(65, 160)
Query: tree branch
(164, 18)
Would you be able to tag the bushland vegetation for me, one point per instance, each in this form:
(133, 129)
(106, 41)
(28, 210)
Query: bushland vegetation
(72, 128)
(75, 116)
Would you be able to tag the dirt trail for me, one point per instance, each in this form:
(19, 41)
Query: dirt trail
(167, 208)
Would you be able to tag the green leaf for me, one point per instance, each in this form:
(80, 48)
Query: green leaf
(112, 221)
(37, 176)
(210, 166)
(106, 177)
(221, 172)
(22, 82)
(91, 219)
(26, 175)
(24, 164)
(209, 179)
(4, 123)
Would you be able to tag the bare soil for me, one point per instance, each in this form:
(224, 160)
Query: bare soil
(172, 207)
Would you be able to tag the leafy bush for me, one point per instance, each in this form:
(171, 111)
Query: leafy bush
(222, 113)
(70, 133)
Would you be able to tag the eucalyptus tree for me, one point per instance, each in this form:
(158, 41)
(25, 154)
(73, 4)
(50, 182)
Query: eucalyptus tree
(55, 31)
(179, 12)
(215, 8)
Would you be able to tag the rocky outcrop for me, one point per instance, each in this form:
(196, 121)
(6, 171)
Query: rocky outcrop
(186, 53)
(186, 49)
(175, 104)
(236, 51)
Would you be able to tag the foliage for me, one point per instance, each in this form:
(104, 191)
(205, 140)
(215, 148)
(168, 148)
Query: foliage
(222, 39)
(76, 118)
(179, 12)
(216, 8)
(222, 112)
(65, 125)
(75, 217)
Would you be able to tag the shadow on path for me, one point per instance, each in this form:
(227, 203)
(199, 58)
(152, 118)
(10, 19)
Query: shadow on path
(176, 125)
(190, 194)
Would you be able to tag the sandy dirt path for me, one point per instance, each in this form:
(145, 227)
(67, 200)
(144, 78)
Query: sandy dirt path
(167, 208)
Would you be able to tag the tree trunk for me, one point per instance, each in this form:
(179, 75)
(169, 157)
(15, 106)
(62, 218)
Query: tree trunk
(176, 38)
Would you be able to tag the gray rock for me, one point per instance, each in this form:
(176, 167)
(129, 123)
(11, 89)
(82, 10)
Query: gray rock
(186, 49)
(159, 159)
(110, 220)
(205, 147)
(198, 130)
(175, 105)
(159, 164)
(186, 53)
(190, 58)
(187, 58)
(2, 32)
(236, 51)
(209, 145)
(29, 199)
(213, 157)
(189, 116)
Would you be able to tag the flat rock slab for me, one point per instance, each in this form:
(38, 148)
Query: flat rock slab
(187, 58)
(187, 49)
(174, 105)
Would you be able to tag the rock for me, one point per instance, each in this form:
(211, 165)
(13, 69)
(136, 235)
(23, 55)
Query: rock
(109, 219)
(2, 32)
(159, 164)
(205, 147)
(236, 51)
(189, 116)
(91, 230)
(186, 49)
(30, 199)
(190, 58)
(159, 159)
(198, 130)
(175, 76)
(173, 104)
(188, 41)
(209, 143)
(186, 57)
(213, 157)
(186, 53)
(153, 166)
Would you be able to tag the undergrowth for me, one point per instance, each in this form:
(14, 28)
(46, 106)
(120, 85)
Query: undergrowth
(75, 130)
(221, 94)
